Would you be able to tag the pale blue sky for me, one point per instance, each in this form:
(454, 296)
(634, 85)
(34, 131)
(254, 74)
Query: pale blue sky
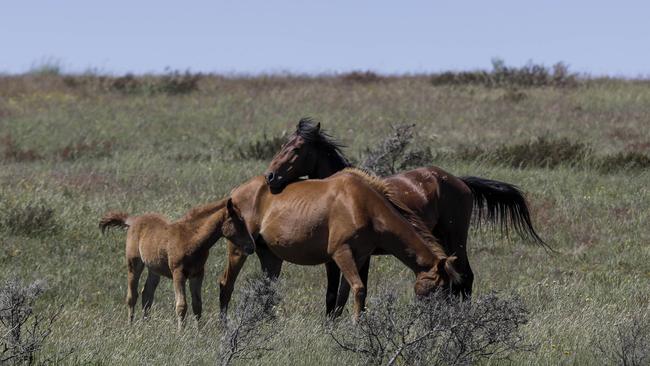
(255, 36)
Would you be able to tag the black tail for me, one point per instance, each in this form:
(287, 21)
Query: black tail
(502, 204)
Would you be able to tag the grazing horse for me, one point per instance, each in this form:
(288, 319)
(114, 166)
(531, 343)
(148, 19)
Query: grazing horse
(177, 250)
(339, 221)
(444, 202)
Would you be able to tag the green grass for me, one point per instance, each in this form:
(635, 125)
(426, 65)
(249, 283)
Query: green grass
(143, 152)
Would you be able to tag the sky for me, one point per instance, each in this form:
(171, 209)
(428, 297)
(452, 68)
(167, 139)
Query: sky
(270, 36)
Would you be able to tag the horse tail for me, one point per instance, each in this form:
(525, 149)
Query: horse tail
(502, 204)
(114, 219)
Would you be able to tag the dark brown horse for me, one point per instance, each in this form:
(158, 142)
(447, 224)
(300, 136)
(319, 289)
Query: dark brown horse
(443, 201)
(339, 221)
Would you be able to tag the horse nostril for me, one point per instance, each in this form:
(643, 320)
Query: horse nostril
(269, 177)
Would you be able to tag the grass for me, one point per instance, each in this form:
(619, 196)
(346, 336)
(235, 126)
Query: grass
(167, 152)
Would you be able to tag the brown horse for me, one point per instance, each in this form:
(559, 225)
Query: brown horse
(339, 221)
(177, 250)
(444, 202)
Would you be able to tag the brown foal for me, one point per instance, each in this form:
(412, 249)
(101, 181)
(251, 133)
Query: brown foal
(177, 250)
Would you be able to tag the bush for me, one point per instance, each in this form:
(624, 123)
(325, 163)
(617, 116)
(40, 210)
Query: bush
(172, 83)
(623, 161)
(263, 149)
(93, 149)
(629, 343)
(392, 155)
(250, 329)
(436, 331)
(361, 77)
(31, 218)
(529, 75)
(23, 331)
(12, 152)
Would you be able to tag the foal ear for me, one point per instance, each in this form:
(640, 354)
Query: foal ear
(230, 207)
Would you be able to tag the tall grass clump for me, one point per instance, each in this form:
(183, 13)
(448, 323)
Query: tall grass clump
(436, 331)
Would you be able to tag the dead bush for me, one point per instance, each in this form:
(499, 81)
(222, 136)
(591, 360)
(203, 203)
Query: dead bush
(393, 154)
(249, 330)
(435, 331)
(23, 331)
(628, 344)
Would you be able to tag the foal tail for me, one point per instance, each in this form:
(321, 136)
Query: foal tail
(503, 204)
(114, 219)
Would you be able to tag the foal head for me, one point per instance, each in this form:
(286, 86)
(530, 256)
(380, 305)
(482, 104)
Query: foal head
(234, 229)
(441, 277)
(301, 155)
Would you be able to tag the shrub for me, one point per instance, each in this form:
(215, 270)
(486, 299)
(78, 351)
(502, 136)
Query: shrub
(623, 161)
(94, 149)
(629, 343)
(12, 152)
(393, 153)
(23, 331)
(362, 77)
(31, 218)
(263, 149)
(529, 75)
(436, 331)
(250, 329)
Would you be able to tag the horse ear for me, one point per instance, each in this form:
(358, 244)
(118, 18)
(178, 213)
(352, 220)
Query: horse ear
(318, 127)
(446, 266)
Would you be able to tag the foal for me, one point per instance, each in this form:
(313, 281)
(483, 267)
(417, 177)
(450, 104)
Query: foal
(177, 250)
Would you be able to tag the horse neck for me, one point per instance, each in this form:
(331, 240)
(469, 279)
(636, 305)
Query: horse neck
(205, 223)
(324, 167)
(411, 249)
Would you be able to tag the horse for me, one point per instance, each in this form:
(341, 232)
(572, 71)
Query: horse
(176, 250)
(338, 221)
(443, 201)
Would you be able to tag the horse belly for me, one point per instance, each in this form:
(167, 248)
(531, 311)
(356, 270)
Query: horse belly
(155, 259)
(297, 245)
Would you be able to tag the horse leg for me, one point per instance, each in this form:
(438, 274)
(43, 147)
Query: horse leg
(148, 291)
(271, 264)
(195, 290)
(333, 275)
(135, 266)
(455, 243)
(344, 288)
(178, 277)
(346, 262)
(236, 260)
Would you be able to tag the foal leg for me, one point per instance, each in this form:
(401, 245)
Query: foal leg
(333, 275)
(236, 260)
(135, 268)
(344, 288)
(346, 262)
(195, 290)
(148, 291)
(178, 277)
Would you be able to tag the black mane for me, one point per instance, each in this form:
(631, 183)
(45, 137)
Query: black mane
(313, 134)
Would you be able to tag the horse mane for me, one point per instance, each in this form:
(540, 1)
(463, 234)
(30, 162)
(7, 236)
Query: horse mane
(388, 191)
(313, 134)
(207, 209)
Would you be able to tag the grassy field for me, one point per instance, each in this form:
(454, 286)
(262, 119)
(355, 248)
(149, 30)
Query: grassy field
(74, 148)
